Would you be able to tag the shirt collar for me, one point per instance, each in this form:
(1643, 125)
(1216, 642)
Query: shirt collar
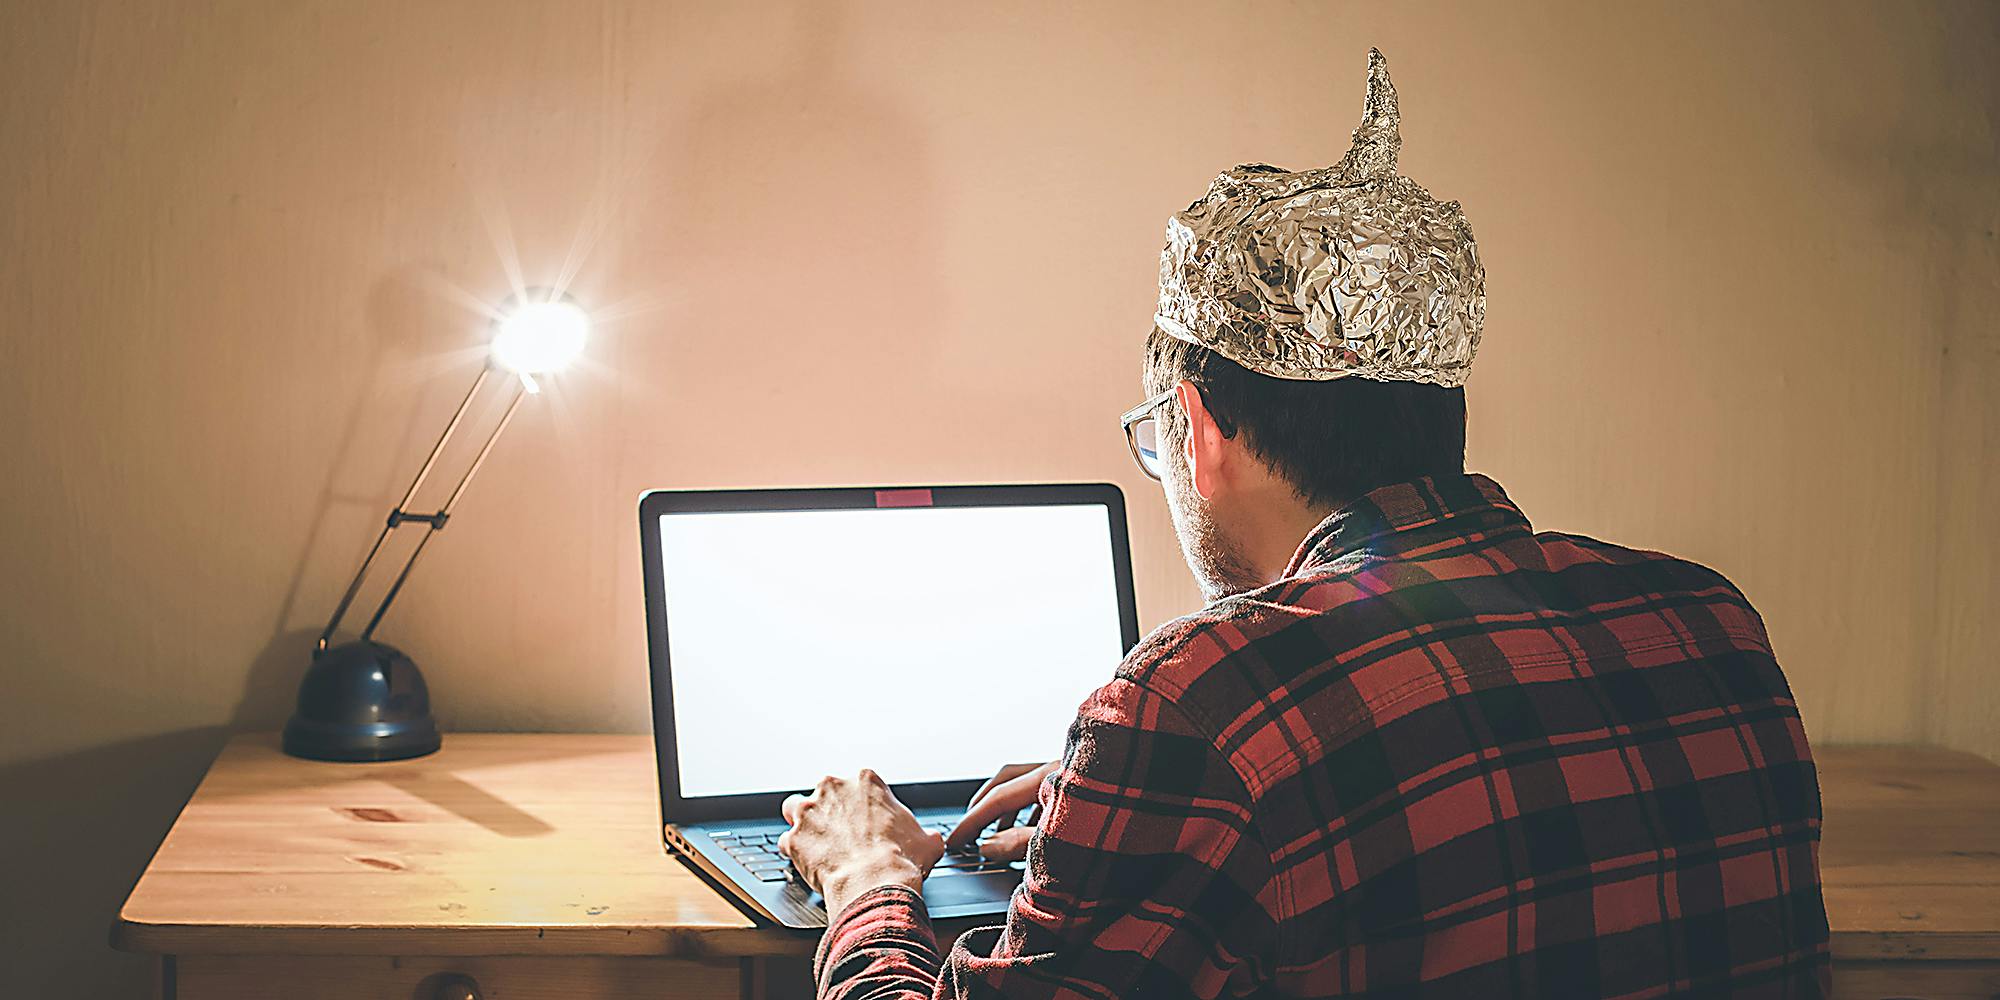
(1400, 516)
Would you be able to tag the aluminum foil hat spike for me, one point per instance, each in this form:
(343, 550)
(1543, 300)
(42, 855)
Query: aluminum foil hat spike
(1348, 271)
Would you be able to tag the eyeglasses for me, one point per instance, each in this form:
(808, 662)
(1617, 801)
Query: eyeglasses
(1142, 430)
(1142, 435)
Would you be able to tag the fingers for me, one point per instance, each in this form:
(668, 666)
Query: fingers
(790, 808)
(1031, 779)
(794, 805)
(843, 823)
(1007, 845)
(1005, 773)
(1005, 800)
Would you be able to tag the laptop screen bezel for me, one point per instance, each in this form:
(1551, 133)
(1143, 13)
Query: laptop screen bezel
(676, 809)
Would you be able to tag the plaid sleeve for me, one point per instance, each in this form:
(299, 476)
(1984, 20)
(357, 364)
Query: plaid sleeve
(1145, 879)
(880, 946)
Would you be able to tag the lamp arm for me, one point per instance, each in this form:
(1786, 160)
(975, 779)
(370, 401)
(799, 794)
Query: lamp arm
(437, 520)
(398, 515)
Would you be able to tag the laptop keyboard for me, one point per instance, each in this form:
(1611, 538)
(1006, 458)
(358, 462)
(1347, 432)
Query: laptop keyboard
(758, 851)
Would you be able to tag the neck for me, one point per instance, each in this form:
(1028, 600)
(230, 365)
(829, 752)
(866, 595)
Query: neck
(1274, 529)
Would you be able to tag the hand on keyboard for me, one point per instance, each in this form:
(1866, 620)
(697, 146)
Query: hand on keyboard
(1001, 799)
(965, 860)
(850, 835)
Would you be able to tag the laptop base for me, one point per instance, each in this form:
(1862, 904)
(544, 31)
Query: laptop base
(980, 891)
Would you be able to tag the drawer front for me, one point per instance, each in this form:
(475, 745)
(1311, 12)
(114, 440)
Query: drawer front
(1917, 980)
(267, 977)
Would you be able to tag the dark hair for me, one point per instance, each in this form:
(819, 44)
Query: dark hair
(1333, 440)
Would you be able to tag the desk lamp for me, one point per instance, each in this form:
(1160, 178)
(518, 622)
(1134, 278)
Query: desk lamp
(365, 700)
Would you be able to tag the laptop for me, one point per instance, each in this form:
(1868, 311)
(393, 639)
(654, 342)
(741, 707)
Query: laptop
(950, 629)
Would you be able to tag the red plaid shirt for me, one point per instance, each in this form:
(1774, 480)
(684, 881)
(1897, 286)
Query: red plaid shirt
(1443, 757)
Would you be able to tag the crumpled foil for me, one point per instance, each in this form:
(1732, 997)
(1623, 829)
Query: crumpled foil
(1348, 271)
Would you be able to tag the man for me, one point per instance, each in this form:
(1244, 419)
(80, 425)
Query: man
(1410, 747)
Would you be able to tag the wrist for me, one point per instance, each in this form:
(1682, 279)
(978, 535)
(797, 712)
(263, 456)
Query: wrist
(851, 882)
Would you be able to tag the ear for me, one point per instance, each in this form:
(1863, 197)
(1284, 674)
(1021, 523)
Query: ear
(1207, 450)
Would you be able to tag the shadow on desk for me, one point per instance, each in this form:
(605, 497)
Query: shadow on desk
(268, 693)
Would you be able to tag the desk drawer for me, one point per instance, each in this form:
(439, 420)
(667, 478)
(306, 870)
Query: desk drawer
(267, 977)
(1927, 980)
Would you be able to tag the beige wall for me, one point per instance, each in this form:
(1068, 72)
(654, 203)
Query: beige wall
(1743, 307)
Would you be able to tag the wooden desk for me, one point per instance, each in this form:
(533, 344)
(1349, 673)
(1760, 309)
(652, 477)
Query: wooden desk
(531, 864)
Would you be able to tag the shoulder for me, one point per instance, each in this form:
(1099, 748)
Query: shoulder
(1296, 618)
(1568, 551)
(1623, 573)
(1217, 665)
(1171, 658)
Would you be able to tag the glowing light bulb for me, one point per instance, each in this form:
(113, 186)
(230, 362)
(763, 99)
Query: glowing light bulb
(536, 338)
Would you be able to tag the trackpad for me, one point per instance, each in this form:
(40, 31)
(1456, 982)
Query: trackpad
(989, 890)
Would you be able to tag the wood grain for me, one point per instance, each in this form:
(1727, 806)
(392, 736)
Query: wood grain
(496, 845)
(549, 845)
(1928, 980)
(1910, 852)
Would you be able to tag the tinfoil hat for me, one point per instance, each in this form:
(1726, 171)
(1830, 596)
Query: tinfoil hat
(1346, 271)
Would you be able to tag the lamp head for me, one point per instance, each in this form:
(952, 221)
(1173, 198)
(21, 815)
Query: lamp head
(539, 332)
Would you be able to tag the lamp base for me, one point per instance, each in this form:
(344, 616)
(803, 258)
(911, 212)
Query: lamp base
(362, 701)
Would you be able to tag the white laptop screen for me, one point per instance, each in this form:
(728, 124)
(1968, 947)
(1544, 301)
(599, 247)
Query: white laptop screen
(928, 643)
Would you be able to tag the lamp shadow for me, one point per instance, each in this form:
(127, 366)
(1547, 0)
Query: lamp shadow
(398, 304)
(404, 305)
(268, 696)
(113, 804)
(469, 802)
